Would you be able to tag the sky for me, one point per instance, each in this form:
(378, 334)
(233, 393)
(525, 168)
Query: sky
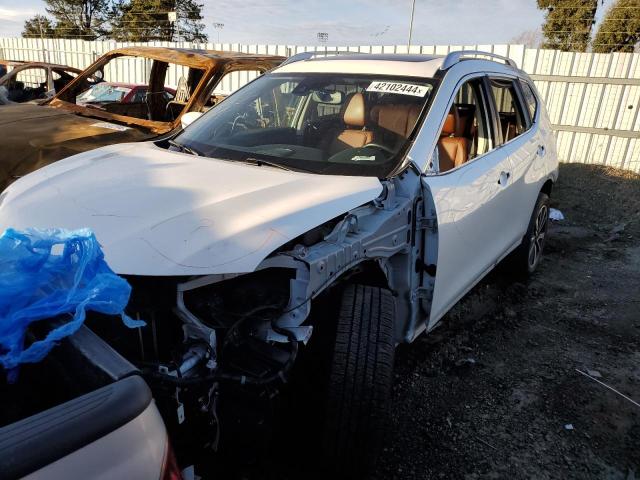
(353, 22)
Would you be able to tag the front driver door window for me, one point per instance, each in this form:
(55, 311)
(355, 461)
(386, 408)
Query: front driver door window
(469, 196)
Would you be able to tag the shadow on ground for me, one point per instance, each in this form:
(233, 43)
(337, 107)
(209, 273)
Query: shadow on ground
(494, 392)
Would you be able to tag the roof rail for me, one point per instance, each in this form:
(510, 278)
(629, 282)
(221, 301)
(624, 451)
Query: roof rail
(299, 57)
(454, 57)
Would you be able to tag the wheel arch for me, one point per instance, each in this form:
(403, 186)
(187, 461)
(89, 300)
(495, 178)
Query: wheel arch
(547, 187)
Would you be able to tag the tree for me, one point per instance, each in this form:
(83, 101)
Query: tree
(72, 19)
(568, 23)
(38, 26)
(148, 20)
(620, 29)
(528, 38)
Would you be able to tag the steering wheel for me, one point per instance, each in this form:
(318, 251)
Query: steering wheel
(381, 147)
(238, 122)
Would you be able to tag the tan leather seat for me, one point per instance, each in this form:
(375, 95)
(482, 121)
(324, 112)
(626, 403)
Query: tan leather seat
(399, 119)
(466, 114)
(354, 117)
(452, 150)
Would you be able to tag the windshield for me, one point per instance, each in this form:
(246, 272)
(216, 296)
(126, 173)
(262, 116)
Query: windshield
(322, 123)
(103, 92)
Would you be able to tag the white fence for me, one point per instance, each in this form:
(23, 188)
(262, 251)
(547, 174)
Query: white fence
(593, 99)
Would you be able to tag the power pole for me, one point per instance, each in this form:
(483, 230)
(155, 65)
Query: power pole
(45, 57)
(413, 9)
(218, 27)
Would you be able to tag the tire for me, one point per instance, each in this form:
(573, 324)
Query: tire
(527, 256)
(359, 386)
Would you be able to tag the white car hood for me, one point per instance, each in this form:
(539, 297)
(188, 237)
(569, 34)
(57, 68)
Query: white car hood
(157, 212)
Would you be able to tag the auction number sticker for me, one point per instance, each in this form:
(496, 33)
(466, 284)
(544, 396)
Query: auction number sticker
(399, 88)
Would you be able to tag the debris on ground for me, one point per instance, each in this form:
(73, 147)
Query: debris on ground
(555, 215)
(609, 387)
(527, 385)
(580, 308)
(465, 362)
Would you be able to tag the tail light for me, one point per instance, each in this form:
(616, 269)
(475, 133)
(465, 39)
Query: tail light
(170, 469)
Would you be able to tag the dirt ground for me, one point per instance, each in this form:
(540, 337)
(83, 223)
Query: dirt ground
(494, 392)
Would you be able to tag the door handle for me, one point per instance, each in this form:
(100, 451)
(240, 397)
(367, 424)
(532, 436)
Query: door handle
(504, 178)
(541, 150)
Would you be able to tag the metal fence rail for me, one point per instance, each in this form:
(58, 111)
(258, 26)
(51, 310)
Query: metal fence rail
(593, 99)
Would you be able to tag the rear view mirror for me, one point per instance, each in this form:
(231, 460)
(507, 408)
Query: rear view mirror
(188, 118)
(324, 96)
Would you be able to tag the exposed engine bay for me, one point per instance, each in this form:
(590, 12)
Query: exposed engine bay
(200, 349)
(218, 349)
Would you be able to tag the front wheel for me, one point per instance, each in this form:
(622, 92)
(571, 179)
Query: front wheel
(527, 256)
(358, 393)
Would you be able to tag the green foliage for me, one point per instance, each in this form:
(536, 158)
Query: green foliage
(122, 20)
(620, 29)
(71, 19)
(568, 23)
(38, 26)
(148, 20)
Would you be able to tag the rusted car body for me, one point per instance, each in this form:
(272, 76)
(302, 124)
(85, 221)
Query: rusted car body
(36, 135)
(45, 79)
(6, 64)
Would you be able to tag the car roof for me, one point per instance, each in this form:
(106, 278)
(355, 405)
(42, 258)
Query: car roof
(393, 64)
(195, 57)
(55, 66)
(410, 65)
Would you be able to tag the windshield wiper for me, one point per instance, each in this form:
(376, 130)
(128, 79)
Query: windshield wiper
(184, 148)
(259, 162)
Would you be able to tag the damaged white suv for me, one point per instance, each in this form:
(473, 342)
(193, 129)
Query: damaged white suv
(392, 182)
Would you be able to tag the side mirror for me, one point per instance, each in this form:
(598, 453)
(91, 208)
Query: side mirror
(188, 118)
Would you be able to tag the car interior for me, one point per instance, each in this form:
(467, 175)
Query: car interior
(466, 134)
(157, 104)
(61, 78)
(27, 84)
(334, 122)
(32, 83)
(512, 121)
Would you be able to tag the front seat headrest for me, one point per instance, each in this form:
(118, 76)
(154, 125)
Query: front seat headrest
(449, 127)
(354, 114)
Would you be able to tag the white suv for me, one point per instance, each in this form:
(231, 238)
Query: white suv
(393, 182)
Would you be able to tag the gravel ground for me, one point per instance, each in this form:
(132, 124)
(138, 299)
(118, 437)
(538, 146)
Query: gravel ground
(495, 393)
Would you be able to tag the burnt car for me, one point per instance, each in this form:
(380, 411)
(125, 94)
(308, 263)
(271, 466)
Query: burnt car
(7, 65)
(118, 92)
(37, 135)
(33, 81)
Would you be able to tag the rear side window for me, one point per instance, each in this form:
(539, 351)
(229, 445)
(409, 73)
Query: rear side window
(530, 99)
(509, 107)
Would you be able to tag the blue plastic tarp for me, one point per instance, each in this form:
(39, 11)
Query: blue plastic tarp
(46, 274)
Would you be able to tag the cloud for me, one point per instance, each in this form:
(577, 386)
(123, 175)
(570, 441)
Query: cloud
(362, 22)
(12, 20)
(13, 14)
(353, 22)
